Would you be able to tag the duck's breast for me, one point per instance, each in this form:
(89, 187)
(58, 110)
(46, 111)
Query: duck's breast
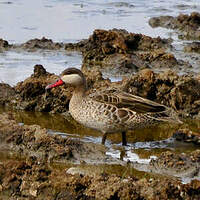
(96, 115)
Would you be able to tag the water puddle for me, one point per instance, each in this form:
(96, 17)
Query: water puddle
(156, 137)
(93, 170)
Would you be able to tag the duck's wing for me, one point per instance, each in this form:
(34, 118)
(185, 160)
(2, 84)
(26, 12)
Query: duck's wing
(125, 100)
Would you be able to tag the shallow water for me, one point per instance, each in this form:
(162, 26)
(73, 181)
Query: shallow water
(143, 144)
(15, 66)
(70, 21)
(67, 20)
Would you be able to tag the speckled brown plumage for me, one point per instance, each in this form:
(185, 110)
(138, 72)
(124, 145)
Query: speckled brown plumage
(112, 110)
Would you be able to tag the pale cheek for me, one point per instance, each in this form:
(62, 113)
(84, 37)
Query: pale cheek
(72, 79)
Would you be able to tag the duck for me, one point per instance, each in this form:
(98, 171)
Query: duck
(111, 110)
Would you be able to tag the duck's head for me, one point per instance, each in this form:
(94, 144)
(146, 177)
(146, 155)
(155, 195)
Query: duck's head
(71, 76)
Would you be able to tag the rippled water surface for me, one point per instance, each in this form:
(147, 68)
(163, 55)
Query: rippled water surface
(70, 21)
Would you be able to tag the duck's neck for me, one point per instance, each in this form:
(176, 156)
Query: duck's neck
(78, 95)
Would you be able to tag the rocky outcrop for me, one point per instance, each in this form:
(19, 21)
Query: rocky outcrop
(179, 92)
(6, 93)
(32, 140)
(121, 52)
(4, 45)
(43, 43)
(182, 93)
(188, 25)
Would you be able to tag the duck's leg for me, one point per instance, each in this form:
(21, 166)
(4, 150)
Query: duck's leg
(124, 142)
(104, 138)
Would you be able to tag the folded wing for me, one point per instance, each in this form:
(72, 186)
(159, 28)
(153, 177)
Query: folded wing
(124, 100)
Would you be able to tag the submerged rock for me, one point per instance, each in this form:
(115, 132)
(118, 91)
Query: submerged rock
(192, 47)
(186, 135)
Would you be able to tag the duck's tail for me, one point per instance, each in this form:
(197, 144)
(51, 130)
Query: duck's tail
(168, 115)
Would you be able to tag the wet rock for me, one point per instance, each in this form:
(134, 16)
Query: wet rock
(31, 93)
(195, 156)
(21, 180)
(186, 135)
(35, 141)
(76, 46)
(179, 92)
(162, 21)
(117, 41)
(35, 177)
(189, 25)
(181, 165)
(159, 59)
(95, 81)
(186, 94)
(112, 187)
(123, 52)
(44, 43)
(192, 47)
(117, 64)
(6, 92)
(4, 45)
(39, 70)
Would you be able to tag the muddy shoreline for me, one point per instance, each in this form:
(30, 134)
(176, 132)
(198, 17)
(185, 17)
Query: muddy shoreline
(32, 176)
(149, 69)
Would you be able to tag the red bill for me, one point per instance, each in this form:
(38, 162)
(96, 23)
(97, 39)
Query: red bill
(57, 83)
